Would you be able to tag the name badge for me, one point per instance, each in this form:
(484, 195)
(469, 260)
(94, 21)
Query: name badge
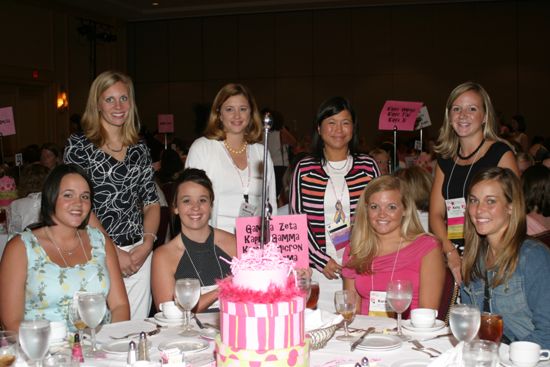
(455, 218)
(247, 210)
(339, 233)
(378, 305)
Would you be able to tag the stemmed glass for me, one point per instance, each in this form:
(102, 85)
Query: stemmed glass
(399, 297)
(34, 336)
(464, 321)
(92, 308)
(188, 292)
(345, 303)
(8, 347)
(75, 318)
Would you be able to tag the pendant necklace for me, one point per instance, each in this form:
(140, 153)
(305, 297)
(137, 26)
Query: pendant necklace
(339, 215)
(70, 252)
(191, 259)
(115, 150)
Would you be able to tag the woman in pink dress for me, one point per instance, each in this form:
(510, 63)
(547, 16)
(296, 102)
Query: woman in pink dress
(389, 243)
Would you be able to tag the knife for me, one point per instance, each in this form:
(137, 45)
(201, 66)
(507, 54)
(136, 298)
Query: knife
(358, 341)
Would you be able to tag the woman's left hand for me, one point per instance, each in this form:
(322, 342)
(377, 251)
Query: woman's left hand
(139, 254)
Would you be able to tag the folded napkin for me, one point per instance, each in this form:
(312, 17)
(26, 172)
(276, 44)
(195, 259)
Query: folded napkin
(451, 357)
(319, 319)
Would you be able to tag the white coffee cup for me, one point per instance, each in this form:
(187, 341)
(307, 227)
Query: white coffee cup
(423, 317)
(58, 331)
(527, 354)
(170, 310)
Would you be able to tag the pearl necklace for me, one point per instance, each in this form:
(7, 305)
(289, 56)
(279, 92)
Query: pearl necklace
(235, 151)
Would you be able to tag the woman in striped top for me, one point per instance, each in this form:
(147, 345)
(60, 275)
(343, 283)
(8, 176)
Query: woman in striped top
(326, 187)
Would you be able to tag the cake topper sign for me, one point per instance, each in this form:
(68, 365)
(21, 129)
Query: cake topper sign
(287, 232)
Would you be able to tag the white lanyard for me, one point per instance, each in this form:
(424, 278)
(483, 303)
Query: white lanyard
(244, 188)
(392, 270)
(467, 175)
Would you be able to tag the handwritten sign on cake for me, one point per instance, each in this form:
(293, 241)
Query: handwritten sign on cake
(288, 232)
(399, 114)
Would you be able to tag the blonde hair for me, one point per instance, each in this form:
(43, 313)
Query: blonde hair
(447, 142)
(91, 119)
(214, 127)
(364, 240)
(476, 249)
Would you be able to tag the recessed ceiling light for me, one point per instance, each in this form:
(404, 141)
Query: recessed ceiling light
(155, 3)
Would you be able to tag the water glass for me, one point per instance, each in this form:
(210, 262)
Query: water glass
(345, 303)
(399, 296)
(464, 321)
(92, 308)
(74, 316)
(34, 336)
(491, 327)
(8, 347)
(188, 292)
(480, 353)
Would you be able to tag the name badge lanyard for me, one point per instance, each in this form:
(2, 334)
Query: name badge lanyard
(457, 206)
(340, 215)
(247, 187)
(378, 305)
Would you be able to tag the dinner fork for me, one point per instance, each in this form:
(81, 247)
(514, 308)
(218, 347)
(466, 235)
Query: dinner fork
(149, 333)
(426, 352)
(421, 346)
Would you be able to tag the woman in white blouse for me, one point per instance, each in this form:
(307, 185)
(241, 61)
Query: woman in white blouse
(232, 156)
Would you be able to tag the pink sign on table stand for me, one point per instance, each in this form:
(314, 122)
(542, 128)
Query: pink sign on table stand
(166, 123)
(288, 232)
(7, 123)
(399, 114)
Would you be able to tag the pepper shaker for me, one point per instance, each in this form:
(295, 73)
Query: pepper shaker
(143, 351)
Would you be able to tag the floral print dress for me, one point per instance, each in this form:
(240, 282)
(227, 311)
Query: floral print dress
(50, 288)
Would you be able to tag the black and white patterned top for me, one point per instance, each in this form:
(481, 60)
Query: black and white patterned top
(121, 188)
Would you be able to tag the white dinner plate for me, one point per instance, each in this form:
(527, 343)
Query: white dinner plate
(380, 342)
(160, 317)
(119, 347)
(185, 345)
(439, 324)
(410, 363)
(209, 333)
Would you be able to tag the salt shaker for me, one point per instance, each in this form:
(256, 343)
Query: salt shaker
(131, 359)
(143, 351)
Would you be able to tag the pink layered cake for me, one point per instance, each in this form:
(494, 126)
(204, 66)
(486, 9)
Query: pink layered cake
(261, 313)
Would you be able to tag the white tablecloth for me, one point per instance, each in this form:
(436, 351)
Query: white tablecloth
(334, 354)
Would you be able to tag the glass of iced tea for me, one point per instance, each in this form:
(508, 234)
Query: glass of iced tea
(313, 295)
(491, 327)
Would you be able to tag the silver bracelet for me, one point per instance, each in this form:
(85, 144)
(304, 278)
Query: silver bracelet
(151, 234)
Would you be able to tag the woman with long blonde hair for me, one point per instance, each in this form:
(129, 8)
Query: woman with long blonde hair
(119, 166)
(389, 243)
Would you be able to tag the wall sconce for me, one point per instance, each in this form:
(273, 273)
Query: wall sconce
(62, 101)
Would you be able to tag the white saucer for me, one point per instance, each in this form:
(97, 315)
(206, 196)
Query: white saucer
(410, 363)
(380, 342)
(208, 333)
(119, 347)
(439, 324)
(160, 317)
(188, 345)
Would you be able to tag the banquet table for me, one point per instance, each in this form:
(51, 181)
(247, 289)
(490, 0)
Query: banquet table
(335, 353)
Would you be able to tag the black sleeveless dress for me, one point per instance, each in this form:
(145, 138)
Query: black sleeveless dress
(201, 261)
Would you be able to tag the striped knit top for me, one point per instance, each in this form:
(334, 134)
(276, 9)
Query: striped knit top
(307, 194)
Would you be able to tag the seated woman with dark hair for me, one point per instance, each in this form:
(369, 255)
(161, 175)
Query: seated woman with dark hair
(536, 188)
(43, 268)
(505, 272)
(388, 243)
(196, 251)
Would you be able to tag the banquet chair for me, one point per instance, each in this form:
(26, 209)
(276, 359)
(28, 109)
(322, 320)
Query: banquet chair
(448, 297)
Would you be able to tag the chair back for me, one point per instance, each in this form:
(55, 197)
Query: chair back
(448, 297)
